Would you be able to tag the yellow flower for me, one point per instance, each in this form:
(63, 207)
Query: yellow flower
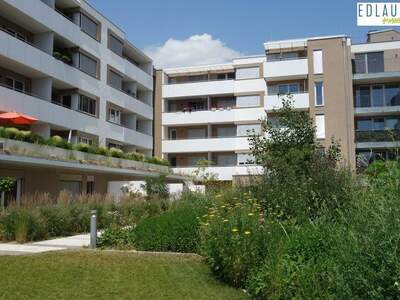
(247, 232)
(235, 230)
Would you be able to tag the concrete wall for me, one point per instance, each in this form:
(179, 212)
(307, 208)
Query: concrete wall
(338, 93)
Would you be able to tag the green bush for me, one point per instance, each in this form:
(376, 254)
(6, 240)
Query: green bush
(156, 186)
(233, 239)
(116, 237)
(57, 141)
(176, 230)
(135, 156)
(117, 153)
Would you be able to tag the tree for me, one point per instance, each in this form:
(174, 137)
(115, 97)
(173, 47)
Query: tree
(300, 176)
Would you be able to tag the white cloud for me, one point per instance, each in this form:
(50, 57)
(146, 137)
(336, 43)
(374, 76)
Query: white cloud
(196, 50)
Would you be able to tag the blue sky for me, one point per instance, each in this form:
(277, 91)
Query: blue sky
(240, 25)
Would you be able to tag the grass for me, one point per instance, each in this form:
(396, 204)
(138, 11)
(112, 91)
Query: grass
(109, 275)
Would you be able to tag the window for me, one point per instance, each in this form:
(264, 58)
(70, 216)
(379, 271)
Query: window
(87, 105)
(225, 159)
(114, 115)
(196, 78)
(87, 64)
(246, 159)
(245, 130)
(371, 62)
(319, 94)
(74, 187)
(113, 145)
(226, 131)
(377, 95)
(225, 76)
(375, 62)
(65, 101)
(173, 134)
(379, 124)
(360, 63)
(172, 161)
(363, 96)
(248, 101)
(392, 123)
(318, 62)
(15, 84)
(364, 125)
(115, 44)
(193, 160)
(320, 126)
(85, 140)
(223, 102)
(89, 26)
(284, 56)
(248, 73)
(196, 133)
(90, 187)
(114, 80)
(392, 94)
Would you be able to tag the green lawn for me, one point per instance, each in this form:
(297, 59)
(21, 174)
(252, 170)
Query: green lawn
(109, 275)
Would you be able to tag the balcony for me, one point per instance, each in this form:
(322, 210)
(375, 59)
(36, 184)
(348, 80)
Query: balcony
(194, 89)
(52, 20)
(377, 136)
(286, 69)
(223, 173)
(300, 101)
(129, 136)
(34, 59)
(206, 145)
(125, 100)
(46, 111)
(213, 116)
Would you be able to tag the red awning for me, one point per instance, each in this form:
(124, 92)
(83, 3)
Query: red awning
(16, 119)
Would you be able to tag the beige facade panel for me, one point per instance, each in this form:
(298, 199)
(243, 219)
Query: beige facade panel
(338, 92)
(383, 36)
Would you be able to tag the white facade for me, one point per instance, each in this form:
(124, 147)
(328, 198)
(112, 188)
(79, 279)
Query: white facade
(61, 53)
(206, 111)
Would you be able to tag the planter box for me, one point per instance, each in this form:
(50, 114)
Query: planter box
(53, 153)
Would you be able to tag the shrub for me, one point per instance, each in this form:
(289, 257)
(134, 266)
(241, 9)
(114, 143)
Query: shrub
(135, 156)
(176, 230)
(116, 237)
(117, 153)
(233, 239)
(102, 151)
(57, 141)
(156, 186)
(156, 160)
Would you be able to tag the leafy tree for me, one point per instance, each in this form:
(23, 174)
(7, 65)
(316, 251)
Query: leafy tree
(300, 176)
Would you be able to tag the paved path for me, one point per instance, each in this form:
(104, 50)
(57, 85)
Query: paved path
(72, 242)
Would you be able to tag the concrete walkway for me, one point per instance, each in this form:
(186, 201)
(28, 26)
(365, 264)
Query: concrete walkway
(72, 242)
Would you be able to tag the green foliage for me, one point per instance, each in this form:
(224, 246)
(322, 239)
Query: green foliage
(57, 141)
(301, 179)
(233, 239)
(176, 230)
(64, 217)
(7, 184)
(117, 237)
(117, 153)
(156, 186)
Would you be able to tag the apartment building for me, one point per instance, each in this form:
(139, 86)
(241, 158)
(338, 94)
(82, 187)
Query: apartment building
(350, 90)
(206, 114)
(65, 64)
